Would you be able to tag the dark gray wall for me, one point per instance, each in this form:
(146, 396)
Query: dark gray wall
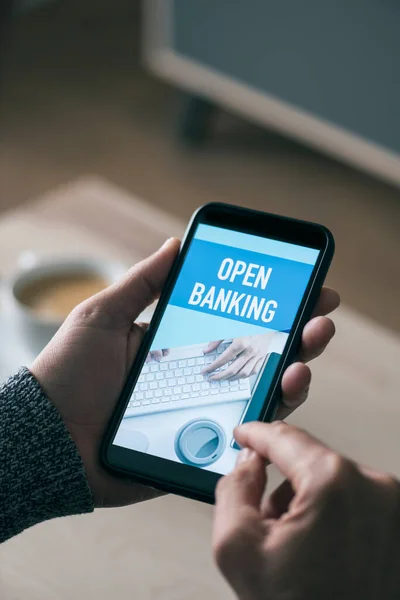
(339, 60)
(27, 4)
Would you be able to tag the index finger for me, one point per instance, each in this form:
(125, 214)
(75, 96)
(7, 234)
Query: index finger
(212, 346)
(292, 450)
(225, 357)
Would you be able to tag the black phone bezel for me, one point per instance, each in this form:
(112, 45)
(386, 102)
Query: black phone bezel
(173, 476)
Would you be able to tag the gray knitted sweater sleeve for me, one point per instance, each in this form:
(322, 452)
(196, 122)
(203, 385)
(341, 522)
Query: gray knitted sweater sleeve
(41, 473)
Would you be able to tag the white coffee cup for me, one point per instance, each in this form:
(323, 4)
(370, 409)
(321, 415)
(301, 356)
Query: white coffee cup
(35, 330)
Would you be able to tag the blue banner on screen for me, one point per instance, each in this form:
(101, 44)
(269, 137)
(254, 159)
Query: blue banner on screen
(238, 284)
(217, 347)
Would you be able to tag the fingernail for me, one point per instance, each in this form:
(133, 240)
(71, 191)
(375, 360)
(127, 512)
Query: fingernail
(297, 400)
(243, 427)
(167, 241)
(244, 456)
(290, 403)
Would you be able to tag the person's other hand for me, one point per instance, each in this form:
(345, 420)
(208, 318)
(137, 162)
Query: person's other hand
(316, 335)
(330, 531)
(157, 355)
(84, 367)
(245, 355)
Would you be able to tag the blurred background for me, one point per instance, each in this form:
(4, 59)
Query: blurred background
(78, 97)
(289, 107)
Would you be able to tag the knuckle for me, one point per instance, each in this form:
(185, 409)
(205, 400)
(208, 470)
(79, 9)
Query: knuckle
(279, 427)
(390, 483)
(337, 470)
(383, 486)
(333, 464)
(83, 311)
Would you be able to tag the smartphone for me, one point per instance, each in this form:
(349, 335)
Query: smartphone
(226, 327)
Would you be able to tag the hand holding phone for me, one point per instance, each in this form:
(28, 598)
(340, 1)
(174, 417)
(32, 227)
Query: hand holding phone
(250, 281)
(86, 397)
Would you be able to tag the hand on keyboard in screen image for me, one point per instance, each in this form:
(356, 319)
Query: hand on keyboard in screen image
(240, 359)
(157, 355)
(175, 378)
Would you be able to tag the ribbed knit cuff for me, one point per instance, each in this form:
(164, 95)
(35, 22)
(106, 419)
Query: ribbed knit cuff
(41, 473)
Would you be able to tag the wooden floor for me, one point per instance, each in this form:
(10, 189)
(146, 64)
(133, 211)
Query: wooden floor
(75, 100)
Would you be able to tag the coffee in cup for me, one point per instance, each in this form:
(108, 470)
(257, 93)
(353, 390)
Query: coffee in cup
(55, 296)
(38, 298)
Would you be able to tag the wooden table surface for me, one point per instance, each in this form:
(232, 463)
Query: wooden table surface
(87, 217)
(160, 550)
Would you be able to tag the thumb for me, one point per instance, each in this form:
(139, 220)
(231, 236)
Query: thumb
(126, 299)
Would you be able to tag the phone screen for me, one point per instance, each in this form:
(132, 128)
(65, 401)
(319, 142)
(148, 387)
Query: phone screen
(217, 347)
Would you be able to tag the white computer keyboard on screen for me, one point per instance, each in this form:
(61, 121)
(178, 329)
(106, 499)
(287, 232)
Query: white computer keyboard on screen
(176, 382)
